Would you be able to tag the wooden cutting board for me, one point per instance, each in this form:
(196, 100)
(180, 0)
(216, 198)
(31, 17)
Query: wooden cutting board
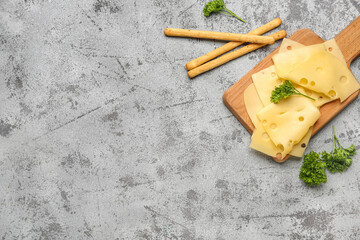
(348, 41)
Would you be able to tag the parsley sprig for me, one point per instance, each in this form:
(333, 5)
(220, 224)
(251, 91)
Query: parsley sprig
(339, 159)
(284, 91)
(312, 171)
(218, 6)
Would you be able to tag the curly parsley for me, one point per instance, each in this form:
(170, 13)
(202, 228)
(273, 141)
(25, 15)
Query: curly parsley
(339, 159)
(218, 6)
(284, 91)
(312, 171)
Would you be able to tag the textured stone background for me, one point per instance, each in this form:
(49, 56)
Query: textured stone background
(103, 136)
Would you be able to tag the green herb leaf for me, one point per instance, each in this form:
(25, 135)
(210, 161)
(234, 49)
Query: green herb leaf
(312, 171)
(339, 159)
(218, 6)
(284, 91)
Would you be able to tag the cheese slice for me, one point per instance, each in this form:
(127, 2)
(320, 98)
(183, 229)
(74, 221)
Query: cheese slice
(299, 149)
(287, 122)
(253, 104)
(287, 61)
(332, 47)
(320, 99)
(288, 45)
(260, 140)
(265, 81)
(325, 73)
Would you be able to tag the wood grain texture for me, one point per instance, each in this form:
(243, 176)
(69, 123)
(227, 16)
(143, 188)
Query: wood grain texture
(349, 43)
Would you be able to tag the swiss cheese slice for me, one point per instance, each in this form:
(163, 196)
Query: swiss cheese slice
(320, 99)
(253, 104)
(287, 61)
(299, 148)
(288, 45)
(260, 140)
(332, 47)
(287, 122)
(265, 81)
(325, 73)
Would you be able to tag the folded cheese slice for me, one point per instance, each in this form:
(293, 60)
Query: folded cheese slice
(266, 80)
(324, 73)
(260, 140)
(320, 99)
(287, 122)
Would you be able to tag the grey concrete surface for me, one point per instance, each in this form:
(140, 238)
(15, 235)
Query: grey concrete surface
(103, 136)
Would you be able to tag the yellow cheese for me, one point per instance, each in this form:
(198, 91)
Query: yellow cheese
(252, 104)
(286, 127)
(299, 149)
(265, 81)
(288, 45)
(325, 73)
(332, 47)
(287, 122)
(320, 99)
(260, 140)
(287, 61)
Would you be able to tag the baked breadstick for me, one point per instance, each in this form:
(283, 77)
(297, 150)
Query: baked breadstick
(231, 45)
(230, 56)
(177, 32)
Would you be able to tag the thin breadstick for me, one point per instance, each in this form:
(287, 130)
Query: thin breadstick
(177, 32)
(230, 56)
(231, 45)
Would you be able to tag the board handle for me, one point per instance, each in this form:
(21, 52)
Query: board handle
(348, 41)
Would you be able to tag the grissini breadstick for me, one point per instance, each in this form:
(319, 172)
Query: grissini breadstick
(230, 56)
(231, 45)
(177, 32)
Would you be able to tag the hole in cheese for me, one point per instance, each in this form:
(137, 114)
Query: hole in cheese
(273, 74)
(303, 145)
(301, 118)
(303, 81)
(309, 93)
(289, 48)
(343, 79)
(299, 109)
(265, 135)
(282, 113)
(330, 49)
(281, 147)
(319, 69)
(320, 98)
(312, 83)
(332, 93)
(273, 126)
(278, 81)
(279, 156)
(264, 122)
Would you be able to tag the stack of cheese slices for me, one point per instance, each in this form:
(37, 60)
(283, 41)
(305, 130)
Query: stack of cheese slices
(319, 71)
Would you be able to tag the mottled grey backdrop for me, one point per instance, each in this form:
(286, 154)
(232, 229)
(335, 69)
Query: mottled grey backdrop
(103, 136)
